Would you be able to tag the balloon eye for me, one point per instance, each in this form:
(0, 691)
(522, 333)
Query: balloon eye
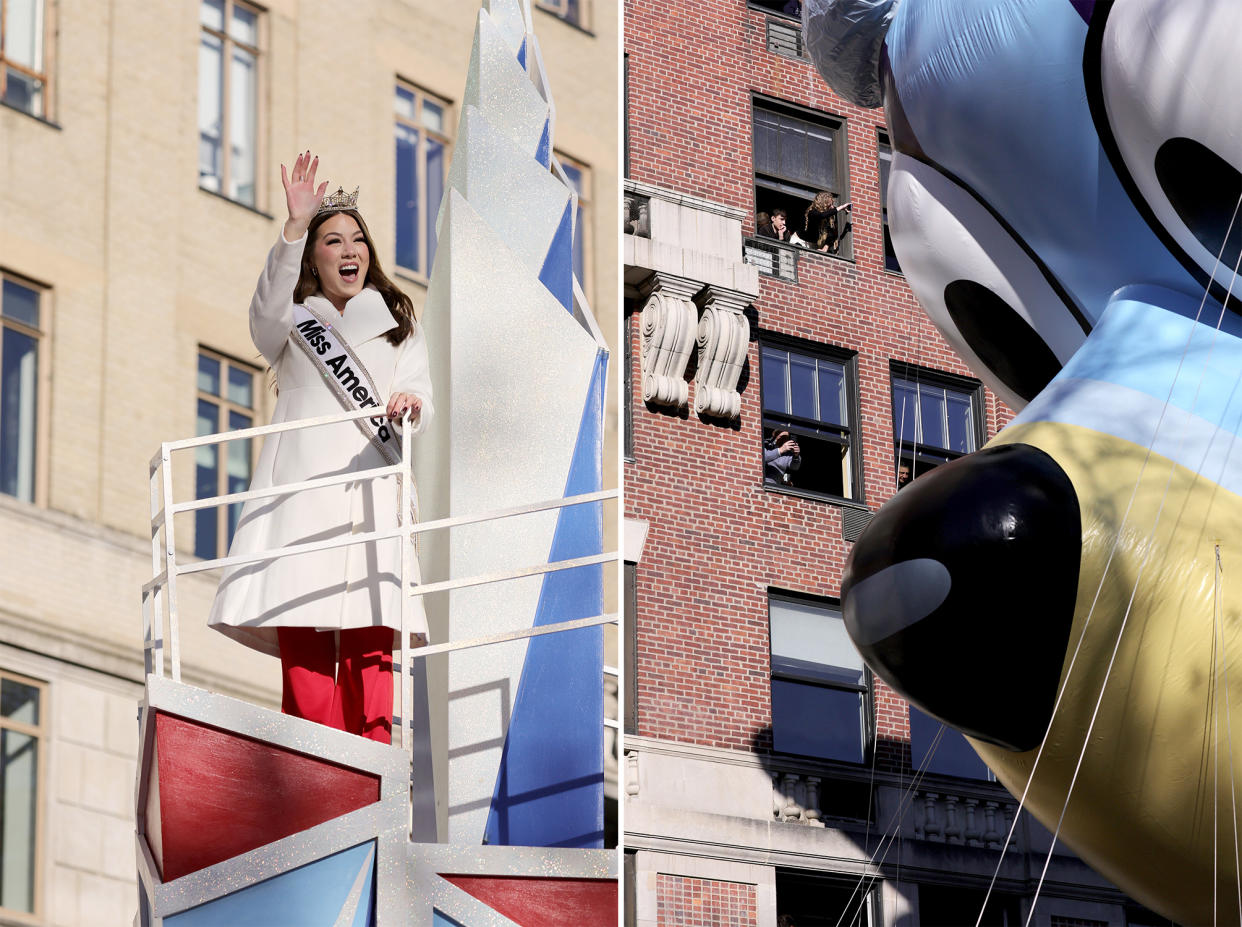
(1005, 341)
(1203, 189)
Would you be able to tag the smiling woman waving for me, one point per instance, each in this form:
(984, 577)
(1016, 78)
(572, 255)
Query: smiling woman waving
(339, 336)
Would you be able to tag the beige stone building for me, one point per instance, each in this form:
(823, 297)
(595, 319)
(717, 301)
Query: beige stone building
(140, 151)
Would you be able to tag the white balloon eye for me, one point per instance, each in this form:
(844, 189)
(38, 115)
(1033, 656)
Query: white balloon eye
(1169, 74)
(1001, 310)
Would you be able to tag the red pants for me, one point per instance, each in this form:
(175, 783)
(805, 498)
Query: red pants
(356, 698)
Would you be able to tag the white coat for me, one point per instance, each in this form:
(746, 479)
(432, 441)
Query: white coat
(347, 587)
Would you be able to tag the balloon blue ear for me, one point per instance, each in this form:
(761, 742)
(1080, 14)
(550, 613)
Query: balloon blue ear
(844, 38)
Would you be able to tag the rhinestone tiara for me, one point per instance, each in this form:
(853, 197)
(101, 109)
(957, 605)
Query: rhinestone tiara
(335, 202)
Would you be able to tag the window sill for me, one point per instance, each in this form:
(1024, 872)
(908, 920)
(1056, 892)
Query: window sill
(839, 501)
(811, 252)
(238, 203)
(29, 115)
(410, 276)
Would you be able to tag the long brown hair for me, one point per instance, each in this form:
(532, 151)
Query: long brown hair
(398, 303)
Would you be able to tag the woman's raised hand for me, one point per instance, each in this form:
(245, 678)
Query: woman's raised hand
(301, 195)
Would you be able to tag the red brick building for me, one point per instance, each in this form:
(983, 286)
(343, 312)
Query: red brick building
(767, 773)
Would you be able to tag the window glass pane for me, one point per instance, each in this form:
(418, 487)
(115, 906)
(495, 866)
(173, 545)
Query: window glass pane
(905, 412)
(206, 480)
(931, 416)
(961, 424)
(793, 149)
(211, 14)
(19, 702)
(19, 771)
(812, 632)
(238, 468)
(433, 116)
(208, 381)
(767, 157)
(242, 115)
(407, 197)
(886, 163)
(18, 385)
(405, 103)
(23, 92)
(817, 721)
(802, 386)
(20, 303)
(953, 757)
(820, 168)
(436, 158)
(775, 390)
(241, 387)
(23, 33)
(245, 26)
(832, 393)
(210, 111)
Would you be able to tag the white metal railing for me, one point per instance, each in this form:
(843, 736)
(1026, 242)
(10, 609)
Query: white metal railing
(159, 595)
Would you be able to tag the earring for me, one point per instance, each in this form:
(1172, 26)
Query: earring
(314, 272)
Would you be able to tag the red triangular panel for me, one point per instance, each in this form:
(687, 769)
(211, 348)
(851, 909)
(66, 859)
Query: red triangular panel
(222, 794)
(544, 902)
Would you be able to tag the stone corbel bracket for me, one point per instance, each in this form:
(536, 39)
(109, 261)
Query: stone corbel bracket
(668, 330)
(723, 337)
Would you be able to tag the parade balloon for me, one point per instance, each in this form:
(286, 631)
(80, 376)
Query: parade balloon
(1063, 200)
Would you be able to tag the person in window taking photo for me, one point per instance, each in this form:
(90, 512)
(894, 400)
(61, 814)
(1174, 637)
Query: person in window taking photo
(339, 336)
(781, 456)
(824, 227)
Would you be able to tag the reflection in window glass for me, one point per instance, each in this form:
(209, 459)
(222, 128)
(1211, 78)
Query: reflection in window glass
(220, 469)
(19, 388)
(228, 99)
(20, 768)
(421, 162)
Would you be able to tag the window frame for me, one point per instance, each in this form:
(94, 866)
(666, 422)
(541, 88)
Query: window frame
(575, 12)
(47, 46)
(224, 405)
(883, 143)
(922, 459)
(422, 273)
(866, 689)
(853, 439)
(43, 380)
(839, 127)
(40, 732)
(819, 883)
(260, 93)
(584, 218)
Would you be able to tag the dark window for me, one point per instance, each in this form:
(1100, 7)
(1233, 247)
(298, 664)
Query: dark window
(573, 11)
(628, 437)
(951, 906)
(422, 156)
(936, 418)
(23, 732)
(809, 399)
(791, 8)
(886, 163)
(20, 340)
(798, 154)
(226, 397)
(630, 667)
(805, 899)
(820, 700)
(952, 755)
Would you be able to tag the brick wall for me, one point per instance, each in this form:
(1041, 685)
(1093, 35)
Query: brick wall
(717, 539)
(682, 901)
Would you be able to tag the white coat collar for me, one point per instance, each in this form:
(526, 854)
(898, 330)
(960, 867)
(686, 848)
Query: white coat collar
(366, 316)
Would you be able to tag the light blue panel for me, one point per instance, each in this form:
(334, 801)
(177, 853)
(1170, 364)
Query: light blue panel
(550, 788)
(544, 153)
(310, 896)
(1012, 74)
(443, 920)
(558, 267)
(522, 55)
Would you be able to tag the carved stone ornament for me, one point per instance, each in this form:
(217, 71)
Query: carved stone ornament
(723, 336)
(668, 327)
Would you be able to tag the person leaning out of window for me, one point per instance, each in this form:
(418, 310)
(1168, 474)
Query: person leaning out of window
(775, 227)
(824, 226)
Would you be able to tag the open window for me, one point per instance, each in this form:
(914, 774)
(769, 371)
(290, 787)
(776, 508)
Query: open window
(937, 417)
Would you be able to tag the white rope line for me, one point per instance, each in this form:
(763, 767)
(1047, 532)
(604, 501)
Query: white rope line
(1214, 711)
(1151, 535)
(1107, 566)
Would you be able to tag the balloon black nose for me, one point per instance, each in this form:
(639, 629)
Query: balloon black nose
(960, 593)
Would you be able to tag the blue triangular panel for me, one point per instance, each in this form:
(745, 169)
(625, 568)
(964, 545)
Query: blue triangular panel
(522, 54)
(313, 895)
(550, 788)
(558, 266)
(544, 153)
(440, 919)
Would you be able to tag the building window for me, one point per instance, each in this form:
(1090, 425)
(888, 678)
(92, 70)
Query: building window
(886, 164)
(226, 402)
(806, 899)
(951, 756)
(21, 335)
(23, 74)
(809, 407)
(630, 616)
(580, 179)
(422, 168)
(628, 437)
(799, 154)
(791, 8)
(820, 703)
(572, 11)
(228, 99)
(22, 736)
(936, 418)
(949, 905)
